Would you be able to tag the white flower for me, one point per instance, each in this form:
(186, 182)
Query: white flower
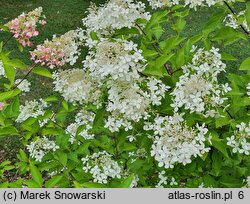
(85, 120)
(128, 102)
(58, 51)
(175, 142)
(33, 109)
(240, 141)
(102, 167)
(232, 20)
(40, 147)
(24, 85)
(248, 89)
(2, 71)
(115, 14)
(198, 89)
(118, 59)
(76, 85)
(191, 3)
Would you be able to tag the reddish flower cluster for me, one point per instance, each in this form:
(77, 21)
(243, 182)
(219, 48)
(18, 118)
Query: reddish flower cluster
(24, 26)
(58, 51)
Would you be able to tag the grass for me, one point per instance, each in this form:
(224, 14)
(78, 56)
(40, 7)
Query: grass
(65, 15)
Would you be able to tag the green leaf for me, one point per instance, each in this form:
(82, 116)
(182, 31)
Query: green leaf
(93, 185)
(51, 99)
(17, 64)
(43, 72)
(32, 184)
(10, 72)
(228, 35)
(219, 144)
(93, 36)
(23, 156)
(126, 31)
(36, 175)
(213, 23)
(53, 181)
(217, 162)
(226, 56)
(61, 157)
(127, 182)
(245, 65)
(4, 28)
(247, 14)
(156, 67)
(12, 110)
(156, 18)
(180, 25)
(9, 94)
(8, 131)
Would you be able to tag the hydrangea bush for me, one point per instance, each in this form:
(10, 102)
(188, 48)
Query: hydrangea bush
(146, 107)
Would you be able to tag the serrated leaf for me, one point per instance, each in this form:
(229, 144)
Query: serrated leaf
(127, 182)
(36, 175)
(61, 157)
(53, 181)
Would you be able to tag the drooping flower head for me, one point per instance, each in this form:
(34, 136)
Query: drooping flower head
(24, 27)
(58, 51)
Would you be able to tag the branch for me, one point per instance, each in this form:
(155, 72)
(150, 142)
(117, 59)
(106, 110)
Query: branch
(157, 49)
(28, 73)
(232, 11)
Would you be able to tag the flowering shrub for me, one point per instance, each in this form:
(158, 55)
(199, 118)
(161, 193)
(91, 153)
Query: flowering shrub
(146, 107)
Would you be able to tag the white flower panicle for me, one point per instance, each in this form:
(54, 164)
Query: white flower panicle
(198, 89)
(115, 14)
(85, 119)
(76, 85)
(24, 86)
(240, 140)
(128, 102)
(2, 71)
(164, 180)
(33, 109)
(119, 59)
(191, 3)
(248, 89)
(235, 21)
(40, 147)
(247, 182)
(175, 142)
(102, 167)
(58, 51)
